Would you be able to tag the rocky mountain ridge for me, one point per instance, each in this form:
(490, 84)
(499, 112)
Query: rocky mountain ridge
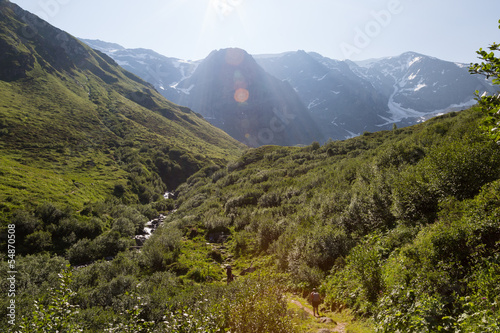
(344, 98)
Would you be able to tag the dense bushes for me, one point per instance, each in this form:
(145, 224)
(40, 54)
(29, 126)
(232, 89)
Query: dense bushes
(442, 280)
(162, 249)
(396, 219)
(402, 226)
(99, 230)
(122, 305)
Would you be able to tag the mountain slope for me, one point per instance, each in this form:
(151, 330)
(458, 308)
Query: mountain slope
(418, 86)
(74, 116)
(338, 99)
(208, 87)
(164, 73)
(382, 222)
(351, 98)
(234, 93)
(344, 98)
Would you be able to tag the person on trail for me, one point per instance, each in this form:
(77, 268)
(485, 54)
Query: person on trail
(315, 300)
(229, 273)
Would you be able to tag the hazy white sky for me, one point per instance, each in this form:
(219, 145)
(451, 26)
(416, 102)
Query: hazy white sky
(339, 29)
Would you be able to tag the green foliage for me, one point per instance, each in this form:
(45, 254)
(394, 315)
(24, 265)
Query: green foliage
(443, 280)
(458, 168)
(131, 321)
(78, 128)
(490, 67)
(58, 314)
(481, 307)
(357, 282)
(202, 316)
(260, 308)
(401, 225)
(162, 249)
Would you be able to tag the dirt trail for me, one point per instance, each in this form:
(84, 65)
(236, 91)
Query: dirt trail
(305, 308)
(339, 328)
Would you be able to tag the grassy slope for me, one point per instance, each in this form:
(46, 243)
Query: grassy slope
(63, 122)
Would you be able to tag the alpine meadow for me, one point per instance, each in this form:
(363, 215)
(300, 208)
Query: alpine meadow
(121, 211)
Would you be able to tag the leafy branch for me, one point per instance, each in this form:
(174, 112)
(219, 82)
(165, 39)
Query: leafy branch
(490, 67)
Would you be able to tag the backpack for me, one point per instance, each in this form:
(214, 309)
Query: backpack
(315, 297)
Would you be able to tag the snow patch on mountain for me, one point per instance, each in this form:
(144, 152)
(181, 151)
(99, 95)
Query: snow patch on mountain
(122, 63)
(314, 103)
(414, 60)
(320, 78)
(186, 91)
(420, 86)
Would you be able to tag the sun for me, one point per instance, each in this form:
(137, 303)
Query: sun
(224, 8)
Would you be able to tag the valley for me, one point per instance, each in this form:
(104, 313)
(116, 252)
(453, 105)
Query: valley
(125, 196)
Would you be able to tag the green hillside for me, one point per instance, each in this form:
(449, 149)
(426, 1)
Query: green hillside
(85, 144)
(398, 230)
(402, 225)
(74, 124)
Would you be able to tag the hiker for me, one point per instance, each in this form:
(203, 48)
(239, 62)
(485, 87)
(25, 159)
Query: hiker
(229, 273)
(315, 300)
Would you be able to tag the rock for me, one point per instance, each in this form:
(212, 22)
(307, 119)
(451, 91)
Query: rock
(140, 240)
(325, 320)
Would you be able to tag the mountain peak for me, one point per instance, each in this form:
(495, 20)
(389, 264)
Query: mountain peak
(230, 56)
(236, 94)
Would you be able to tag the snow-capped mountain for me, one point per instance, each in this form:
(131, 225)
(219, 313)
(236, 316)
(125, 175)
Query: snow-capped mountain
(344, 98)
(343, 103)
(235, 94)
(271, 114)
(163, 72)
(373, 95)
(418, 86)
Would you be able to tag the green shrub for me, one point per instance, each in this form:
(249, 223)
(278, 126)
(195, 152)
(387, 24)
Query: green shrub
(162, 249)
(124, 226)
(261, 307)
(481, 307)
(202, 316)
(80, 252)
(269, 230)
(270, 200)
(461, 168)
(214, 221)
(249, 198)
(50, 214)
(359, 282)
(39, 241)
(58, 314)
(26, 223)
(407, 311)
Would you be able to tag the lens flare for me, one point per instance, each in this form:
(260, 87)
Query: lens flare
(241, 95)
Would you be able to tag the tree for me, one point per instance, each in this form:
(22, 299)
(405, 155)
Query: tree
(490, 67)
